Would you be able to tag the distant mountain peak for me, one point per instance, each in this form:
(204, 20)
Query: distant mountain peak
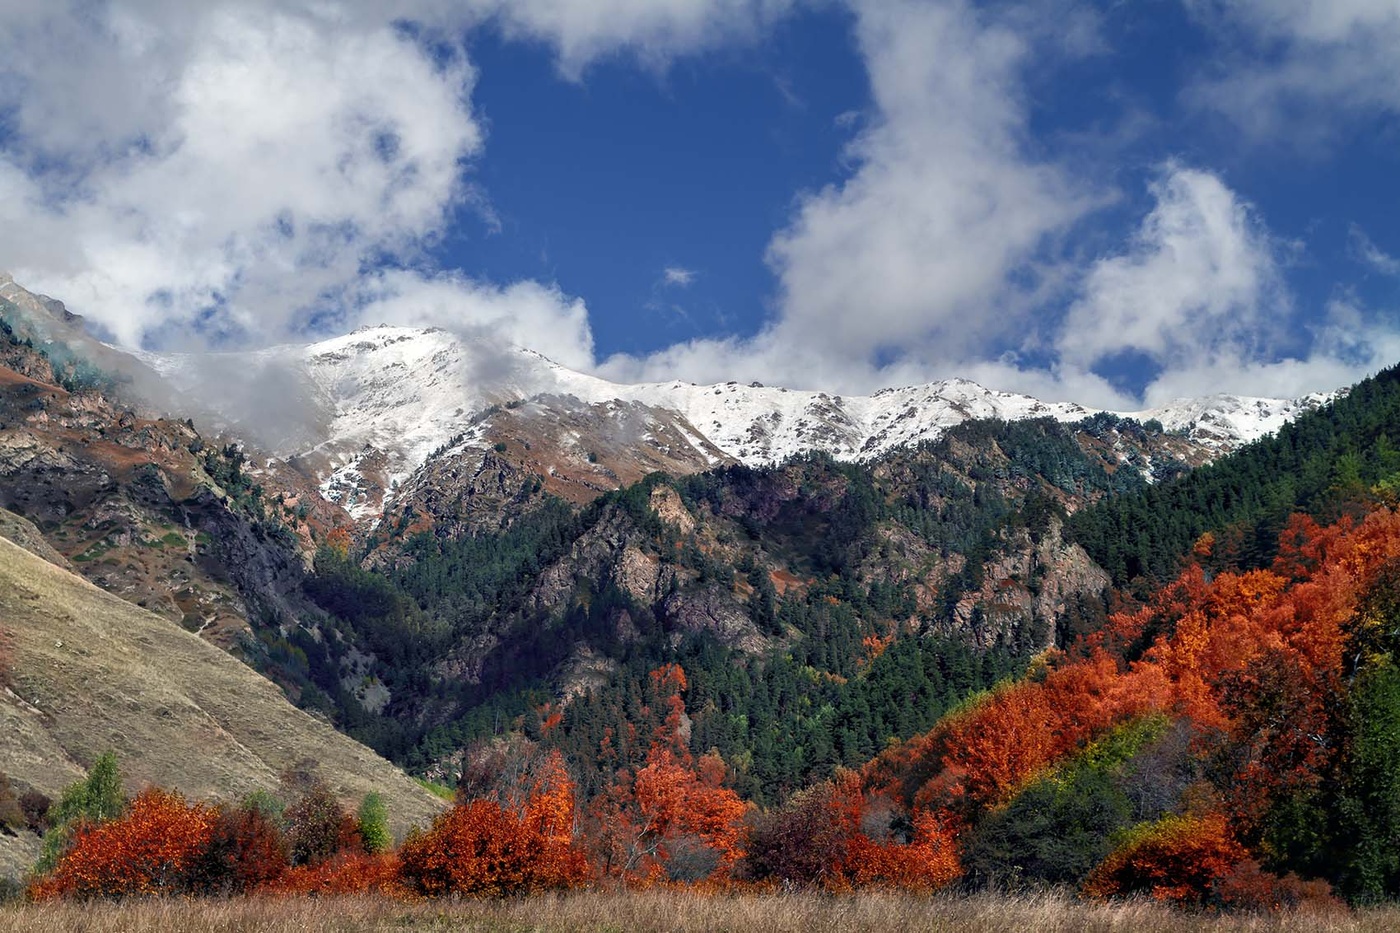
(397, 395)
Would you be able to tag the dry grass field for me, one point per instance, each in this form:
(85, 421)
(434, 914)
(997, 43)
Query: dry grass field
(669, 911)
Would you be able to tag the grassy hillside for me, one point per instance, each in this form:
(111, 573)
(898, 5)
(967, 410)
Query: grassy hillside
(93, 672)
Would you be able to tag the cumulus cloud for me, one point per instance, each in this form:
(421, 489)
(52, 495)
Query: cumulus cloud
(654, 31)
(929, 251)
(1200, 278)
(271, 153)
(1199, 291)
(945, 203)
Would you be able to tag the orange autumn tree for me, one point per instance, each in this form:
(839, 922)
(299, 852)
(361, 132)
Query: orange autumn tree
(835, 837)
(153, 849)
(346, 872)
(671, 817)
(1253, 662)
(485, 846)
(1179, 859)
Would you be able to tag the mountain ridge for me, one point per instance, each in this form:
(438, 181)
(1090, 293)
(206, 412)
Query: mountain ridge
(387, 399)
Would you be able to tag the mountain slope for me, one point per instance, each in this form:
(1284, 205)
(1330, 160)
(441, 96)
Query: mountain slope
(93, 672)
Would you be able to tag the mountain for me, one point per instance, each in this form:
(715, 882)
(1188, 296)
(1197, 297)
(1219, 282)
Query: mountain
(562, 565)
(92, 673)
(590, 543)
(386, 409)
(140, 504)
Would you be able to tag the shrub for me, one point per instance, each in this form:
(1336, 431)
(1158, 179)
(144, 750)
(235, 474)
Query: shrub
(95, 799)
(1178, 859)
(318, 826)
(154, 849)
(35, 806)
(374, 825)
(479, 849)
(345, 873)
(805, 841)
(246, 852)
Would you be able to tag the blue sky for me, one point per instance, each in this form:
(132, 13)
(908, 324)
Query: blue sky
(1115, 203)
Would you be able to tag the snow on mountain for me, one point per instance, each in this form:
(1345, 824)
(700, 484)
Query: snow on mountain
(1224, 422)
(398, 394)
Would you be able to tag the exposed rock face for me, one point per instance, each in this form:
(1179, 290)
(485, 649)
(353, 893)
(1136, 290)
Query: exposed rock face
(718, 612)
(1030, 588)
(129, 502)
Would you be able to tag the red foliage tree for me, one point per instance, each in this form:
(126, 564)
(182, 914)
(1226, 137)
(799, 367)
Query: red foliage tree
(1180, 860)
(479, 849)
(246, 853)
(153, 849)
(344, 873)
(668, 816)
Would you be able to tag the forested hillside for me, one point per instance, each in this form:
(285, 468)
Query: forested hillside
(819, 608)
(1326, 463)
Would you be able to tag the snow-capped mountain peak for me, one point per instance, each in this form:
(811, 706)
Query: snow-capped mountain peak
(396, 395)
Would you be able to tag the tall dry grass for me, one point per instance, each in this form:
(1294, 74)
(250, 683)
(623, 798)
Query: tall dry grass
(675, 912)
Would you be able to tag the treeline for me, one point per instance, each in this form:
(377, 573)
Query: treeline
(1324, 463)
(516, 827)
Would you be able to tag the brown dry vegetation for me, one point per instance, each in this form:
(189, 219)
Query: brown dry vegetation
(94, 673)
(672, 911)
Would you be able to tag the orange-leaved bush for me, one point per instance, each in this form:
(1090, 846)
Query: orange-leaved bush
(348, 871)
(479, 849)
(1181, 860)
(153, 849)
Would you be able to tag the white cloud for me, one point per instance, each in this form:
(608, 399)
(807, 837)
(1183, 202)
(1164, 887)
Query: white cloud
(905, 271)
(655, 31)
(1302, 65)
(1200, 277)
(526, 314)
(677, 276)
(1371, 255)
(271, 152)
(1200, 292)
(944, 204)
